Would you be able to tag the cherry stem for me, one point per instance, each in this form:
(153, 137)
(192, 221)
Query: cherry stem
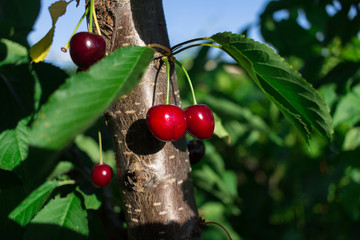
(189, 80)
(100, 144)
(66, 182)
(167, 79)
(64, 49)
(96, 21)
(186, 42)
(91, 15)
(197, 45)
(218, 224)
(156, 45)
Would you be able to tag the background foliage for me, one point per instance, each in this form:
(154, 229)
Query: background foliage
(267, 183)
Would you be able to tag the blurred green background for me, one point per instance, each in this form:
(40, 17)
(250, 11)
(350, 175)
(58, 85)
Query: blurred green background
(268, 183)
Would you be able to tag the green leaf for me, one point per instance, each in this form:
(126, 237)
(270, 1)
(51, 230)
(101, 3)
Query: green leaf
(347, 111)
(61, 218)
(90, 200)
(12, 53)
(14, 146)
(16, 94)
(39, 50)
(219, 130)
(352, 139)
(61, 168)
(215, 211)
(27, 209)
(17, 19)
(350, 200)
(89, 146)
(77, 103)
(295, 97)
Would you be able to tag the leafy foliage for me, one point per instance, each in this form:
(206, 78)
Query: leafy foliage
(40, 198)
(14, 146)
(61, 215)
(39, 51)
(296, 98)
(263, 184)
(77, 103)
(32, 204)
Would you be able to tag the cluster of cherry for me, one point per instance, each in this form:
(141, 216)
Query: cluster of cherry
(166, 122)
(169, 123)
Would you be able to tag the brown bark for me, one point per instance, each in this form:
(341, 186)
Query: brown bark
(154, 176)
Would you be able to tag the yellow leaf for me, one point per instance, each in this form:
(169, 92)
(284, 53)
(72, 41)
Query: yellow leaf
(39, 51)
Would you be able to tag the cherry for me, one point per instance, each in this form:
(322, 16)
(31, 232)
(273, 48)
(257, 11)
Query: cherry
(101, 174)
(200, 121)
(196, 150)
(166, 122)
(86, 49)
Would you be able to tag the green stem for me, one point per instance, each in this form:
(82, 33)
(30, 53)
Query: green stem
(96, 22)
(91, 16)
(66, 182)
(186, 42)
(64, 49)
(100, 143)
(167, 79)
(189, 80)
(197, 45)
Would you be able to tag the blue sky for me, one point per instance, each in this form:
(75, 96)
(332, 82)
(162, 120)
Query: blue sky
(185, 19)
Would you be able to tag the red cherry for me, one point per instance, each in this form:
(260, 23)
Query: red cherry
(101, 174)
(166, 122)
(196, 150)
(200, 121)
(86, 49)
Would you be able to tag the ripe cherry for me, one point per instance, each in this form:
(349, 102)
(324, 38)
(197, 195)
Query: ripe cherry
(86, 49)
(101, 174)
(166, 122)
(196, 150)
(200, 121)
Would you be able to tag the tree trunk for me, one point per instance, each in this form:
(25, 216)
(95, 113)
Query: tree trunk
(154, 176)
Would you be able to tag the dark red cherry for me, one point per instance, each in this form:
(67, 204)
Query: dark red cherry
(196, 150)
(101, 174)
(166, 122)
(86, 49)
(200, 121)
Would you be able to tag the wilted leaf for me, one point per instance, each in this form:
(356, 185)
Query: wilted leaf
(39, 51)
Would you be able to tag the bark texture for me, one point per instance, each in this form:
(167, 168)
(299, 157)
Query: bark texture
(154, 176)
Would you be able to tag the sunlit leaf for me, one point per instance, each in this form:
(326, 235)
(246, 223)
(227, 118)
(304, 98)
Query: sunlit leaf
(77, 103)
(352, 139)
(12, 53)
(39, 51)
(61, 218)
(27, 209)
(219, 130)
(14, 146)
(348, 110)
(295, 97)
(90, 200)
